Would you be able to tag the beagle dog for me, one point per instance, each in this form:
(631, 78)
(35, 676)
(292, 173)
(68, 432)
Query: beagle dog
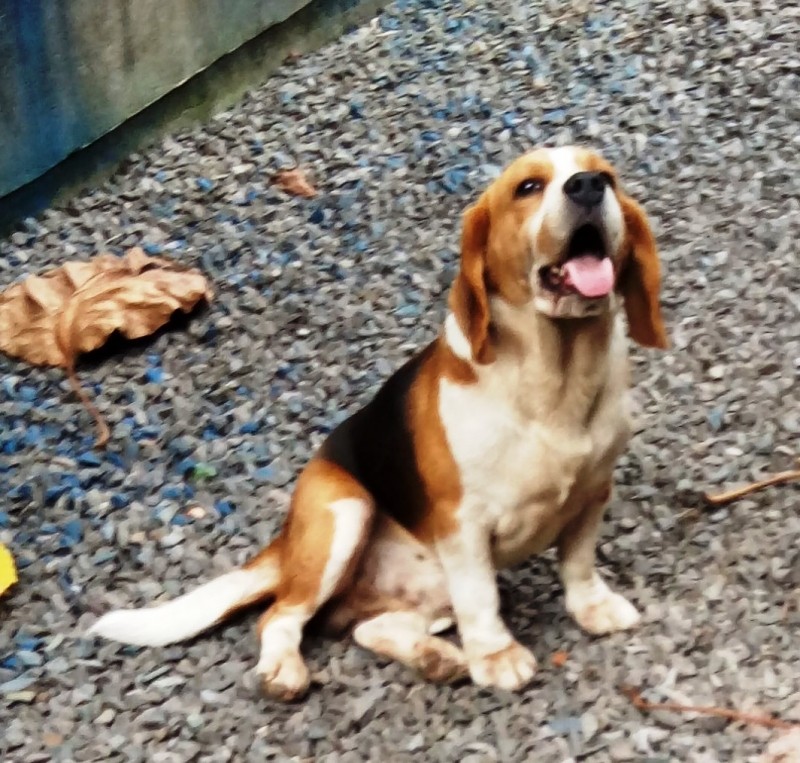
(495, 442)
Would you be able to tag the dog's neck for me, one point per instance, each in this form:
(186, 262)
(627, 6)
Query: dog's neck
(557, 369)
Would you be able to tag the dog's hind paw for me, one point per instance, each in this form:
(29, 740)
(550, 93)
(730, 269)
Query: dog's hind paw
(283, 676)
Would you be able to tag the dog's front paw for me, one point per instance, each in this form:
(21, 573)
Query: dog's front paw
(598, 610)
(511, 668)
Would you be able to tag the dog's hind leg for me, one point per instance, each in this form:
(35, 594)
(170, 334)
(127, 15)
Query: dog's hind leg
(405, 637)
(328, 525)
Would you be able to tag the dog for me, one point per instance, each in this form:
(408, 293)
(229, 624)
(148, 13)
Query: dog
(494, 443)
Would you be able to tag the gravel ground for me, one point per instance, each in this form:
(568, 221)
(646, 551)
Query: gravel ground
(401, 123)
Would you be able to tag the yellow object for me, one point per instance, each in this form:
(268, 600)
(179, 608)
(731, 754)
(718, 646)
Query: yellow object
(8, 572)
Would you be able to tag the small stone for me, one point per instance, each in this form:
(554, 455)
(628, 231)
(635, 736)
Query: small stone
(106, 717)
(17, 684)
(195, 721)
(23, 697)
(196, 512)
(316, 731)
(212, 697)
(30, 659)
(717, 372)
(52, 739)
(172, 539)
(622, 751)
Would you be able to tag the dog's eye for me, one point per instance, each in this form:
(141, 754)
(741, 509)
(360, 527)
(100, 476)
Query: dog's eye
(529, 187)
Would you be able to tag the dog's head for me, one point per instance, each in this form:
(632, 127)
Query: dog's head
(556, 231)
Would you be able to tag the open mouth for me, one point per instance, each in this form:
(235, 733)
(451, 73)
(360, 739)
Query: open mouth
(585, 268)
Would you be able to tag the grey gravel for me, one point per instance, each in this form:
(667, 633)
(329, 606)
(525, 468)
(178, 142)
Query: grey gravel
(400, 123)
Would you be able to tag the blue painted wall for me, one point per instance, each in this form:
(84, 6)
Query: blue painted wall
(72, 70)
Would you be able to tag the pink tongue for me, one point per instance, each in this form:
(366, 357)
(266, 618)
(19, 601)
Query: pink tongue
(590, 276)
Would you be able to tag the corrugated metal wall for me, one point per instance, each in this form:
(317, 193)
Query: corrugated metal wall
(71, 70)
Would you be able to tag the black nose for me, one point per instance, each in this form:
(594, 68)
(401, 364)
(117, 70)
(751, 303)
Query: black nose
(586, 189)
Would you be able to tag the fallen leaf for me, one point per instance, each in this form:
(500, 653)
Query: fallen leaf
(50, 319)
(8, 572)
(559, 658)
(295, 182)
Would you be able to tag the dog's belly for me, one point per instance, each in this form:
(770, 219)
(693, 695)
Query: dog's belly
(402, 572)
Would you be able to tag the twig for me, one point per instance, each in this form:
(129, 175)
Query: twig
(103, 432)
(635, 696)
(732, 495)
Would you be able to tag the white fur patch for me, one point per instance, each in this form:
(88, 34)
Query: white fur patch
(350, 516)
(613, 221)
(441, 625)
(455, 338)
(554, 208)
(186, 616)
(281, 636)
(564, 163)
(280, 664)
(528, 432)
(471, 581)
(400, 631)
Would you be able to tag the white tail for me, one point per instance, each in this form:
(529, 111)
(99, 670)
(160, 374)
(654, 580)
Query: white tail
(192, 613)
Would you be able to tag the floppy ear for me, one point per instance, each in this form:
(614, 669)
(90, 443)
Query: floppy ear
(469, 301)
(640, 280)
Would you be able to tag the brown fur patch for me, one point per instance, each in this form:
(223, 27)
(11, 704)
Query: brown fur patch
(508, 255)
(469, 300)
(640, 278)
(307, 534)
(495, 251)
(434, 459)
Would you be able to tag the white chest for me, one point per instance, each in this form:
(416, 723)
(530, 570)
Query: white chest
(525, 471)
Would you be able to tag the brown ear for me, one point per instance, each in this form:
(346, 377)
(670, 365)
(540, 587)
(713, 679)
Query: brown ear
(469, 301)
(640, 280)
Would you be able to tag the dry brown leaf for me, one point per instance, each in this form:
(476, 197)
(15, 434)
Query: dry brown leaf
(295, 182)
(49, 320)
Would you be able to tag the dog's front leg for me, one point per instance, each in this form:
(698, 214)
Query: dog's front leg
(595, 607)
(495, 658)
